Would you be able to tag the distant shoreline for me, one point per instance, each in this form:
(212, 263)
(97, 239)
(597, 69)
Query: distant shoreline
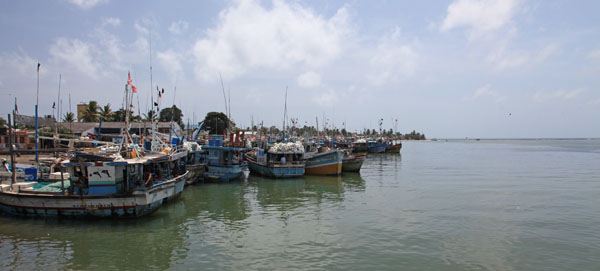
(533, 139)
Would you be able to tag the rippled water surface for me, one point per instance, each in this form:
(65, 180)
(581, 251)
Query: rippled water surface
(456, 205)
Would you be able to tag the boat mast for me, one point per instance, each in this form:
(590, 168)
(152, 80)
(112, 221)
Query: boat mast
(224, 98)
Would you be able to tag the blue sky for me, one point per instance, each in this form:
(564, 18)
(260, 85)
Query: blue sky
(463, 68)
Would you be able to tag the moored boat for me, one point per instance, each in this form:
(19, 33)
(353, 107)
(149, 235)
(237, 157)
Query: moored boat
(324, 163)
(360, 146)
(376, 146)
(99, 186)
(393, 148)
(353, 162)
(280, 161)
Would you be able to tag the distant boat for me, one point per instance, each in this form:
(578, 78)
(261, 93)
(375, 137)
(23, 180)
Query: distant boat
(324, 163)
(353, 162)
(393, 148)
(277, 162)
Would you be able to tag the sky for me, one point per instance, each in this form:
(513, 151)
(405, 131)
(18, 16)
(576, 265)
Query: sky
(448, 69)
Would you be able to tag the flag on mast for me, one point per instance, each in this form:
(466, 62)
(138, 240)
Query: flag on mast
(128, 78)
(134, 89)
(38, 68)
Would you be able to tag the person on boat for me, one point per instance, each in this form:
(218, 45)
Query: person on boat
(149, 182)
(283, 160)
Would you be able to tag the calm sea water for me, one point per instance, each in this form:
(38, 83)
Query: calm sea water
(456, 205)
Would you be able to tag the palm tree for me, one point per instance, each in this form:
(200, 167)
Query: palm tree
(90, 114)
(69, 117)
(151, 115)
(106, 113)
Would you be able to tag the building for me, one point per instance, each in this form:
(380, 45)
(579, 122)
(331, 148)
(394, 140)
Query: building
(113, 129)
(22, 142)
(80, 111)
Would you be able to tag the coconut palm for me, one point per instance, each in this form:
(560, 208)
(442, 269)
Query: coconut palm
(106, 113)
(90, 114)
(69, 117)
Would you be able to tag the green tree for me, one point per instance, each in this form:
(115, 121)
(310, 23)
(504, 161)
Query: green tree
(3, 122)
(150, 116)
(90, 114)
(69, 117)
(171, 113)
(119, 115)
(106, 113)
(214, 122)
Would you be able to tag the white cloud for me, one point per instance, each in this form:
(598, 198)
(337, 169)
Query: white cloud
(392, 60)
(249, 36)
(171, 61)
(309, 79)
(503, 58)
(21, 62)
(86, 4)
(479, 16)
(111, 21)
(594, 102)
(76, 54)
(485, 92)
(326, 98)
(594, 54)
(541, 96)
(178, 27)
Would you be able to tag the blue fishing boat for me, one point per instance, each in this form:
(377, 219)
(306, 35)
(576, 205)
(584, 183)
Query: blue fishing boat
(376, 146)
(223, 163)
(100, 185)
(280, 161)
(324, 163)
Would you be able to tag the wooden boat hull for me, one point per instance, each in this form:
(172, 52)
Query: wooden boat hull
(226, 173)
(327, 163)
(377, 148)
(353, 163)
(395, 148)
(276, 171)
(195, 174)
(138, 203)
(176, 189)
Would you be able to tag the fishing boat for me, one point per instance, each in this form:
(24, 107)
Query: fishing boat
(112, 181)
(353, 162)
(324, 163)
(100, 185)
(282, 160)
(376, 146)
(393, 147)
(195, 163)
(360, 146)
(223, 163)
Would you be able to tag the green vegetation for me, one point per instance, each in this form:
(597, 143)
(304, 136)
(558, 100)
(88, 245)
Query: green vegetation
(90, 114)
(171, 113)
(215, 122)
(106, 113)
(69, 117)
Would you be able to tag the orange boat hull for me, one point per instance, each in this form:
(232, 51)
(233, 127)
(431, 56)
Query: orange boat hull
(331, 169)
